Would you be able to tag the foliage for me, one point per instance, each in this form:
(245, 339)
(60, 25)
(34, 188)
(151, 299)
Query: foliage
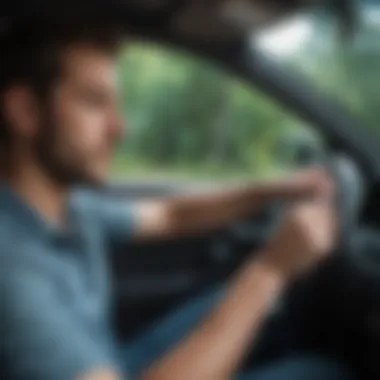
(190, 118)
(184, 112)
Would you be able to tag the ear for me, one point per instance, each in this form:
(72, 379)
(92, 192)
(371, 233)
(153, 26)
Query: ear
(21, 110)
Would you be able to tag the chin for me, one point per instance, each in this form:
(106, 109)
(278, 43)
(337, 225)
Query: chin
(97, 178)
(88, 180)
(95, 175)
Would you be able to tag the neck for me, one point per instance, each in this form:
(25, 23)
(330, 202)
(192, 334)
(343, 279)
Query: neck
(39, 190)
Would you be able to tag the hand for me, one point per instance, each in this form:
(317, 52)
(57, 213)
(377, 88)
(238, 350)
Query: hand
(312, 182)
(306, 236)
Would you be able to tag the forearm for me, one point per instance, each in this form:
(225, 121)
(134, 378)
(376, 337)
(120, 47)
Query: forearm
(217, 347)
(197, 213)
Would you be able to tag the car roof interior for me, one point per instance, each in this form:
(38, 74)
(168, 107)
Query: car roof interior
(214, 21)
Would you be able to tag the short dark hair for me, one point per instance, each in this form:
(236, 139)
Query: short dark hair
(31, 53)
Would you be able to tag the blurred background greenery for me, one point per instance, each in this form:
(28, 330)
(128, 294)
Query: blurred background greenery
(186, 119)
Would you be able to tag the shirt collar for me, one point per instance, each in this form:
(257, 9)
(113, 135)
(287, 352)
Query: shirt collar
(25, 215)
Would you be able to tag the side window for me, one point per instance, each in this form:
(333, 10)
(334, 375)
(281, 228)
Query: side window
(189, 120)
(345, 69)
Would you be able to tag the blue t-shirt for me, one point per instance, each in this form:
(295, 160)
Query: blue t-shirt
(55, 288)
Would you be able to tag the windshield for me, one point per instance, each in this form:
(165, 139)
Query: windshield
(348, 71)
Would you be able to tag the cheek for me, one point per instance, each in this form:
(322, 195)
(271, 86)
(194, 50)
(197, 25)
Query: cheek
(84, 129)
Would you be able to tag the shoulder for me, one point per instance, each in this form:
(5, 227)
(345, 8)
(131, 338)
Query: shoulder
(21, 251)
(15, 240)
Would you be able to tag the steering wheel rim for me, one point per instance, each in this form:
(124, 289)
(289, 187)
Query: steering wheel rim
(350, 194)
(351, 190)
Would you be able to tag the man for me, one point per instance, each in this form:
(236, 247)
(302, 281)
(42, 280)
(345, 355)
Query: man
(59, 122)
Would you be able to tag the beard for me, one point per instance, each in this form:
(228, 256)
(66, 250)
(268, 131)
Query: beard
(58, 161)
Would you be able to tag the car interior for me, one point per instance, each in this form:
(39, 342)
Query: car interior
(257, 53)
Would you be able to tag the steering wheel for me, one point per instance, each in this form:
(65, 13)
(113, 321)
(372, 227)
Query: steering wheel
(350, 185)
(360, 244)
(350, 194)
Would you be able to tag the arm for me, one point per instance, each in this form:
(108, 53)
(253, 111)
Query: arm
(184, 215)
(39, 337)
(217, 347)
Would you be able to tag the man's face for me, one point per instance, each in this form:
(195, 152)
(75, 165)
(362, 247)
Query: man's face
(82, 123)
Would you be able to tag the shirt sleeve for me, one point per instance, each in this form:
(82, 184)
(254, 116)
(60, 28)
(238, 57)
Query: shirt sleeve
(117, 217)
(40, 339)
